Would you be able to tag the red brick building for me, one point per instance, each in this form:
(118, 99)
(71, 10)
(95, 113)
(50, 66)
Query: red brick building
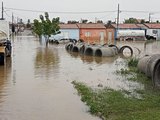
(92, 32)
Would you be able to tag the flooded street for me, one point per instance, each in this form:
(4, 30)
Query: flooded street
(35, 84)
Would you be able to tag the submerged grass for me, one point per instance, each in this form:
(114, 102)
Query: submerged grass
(112, 104)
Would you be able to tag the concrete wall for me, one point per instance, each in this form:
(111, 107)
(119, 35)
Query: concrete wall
(93, 35)
(67, 33)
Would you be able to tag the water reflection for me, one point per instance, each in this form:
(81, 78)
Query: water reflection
(46, 61)
(43, 76)
(93, 59)
(5, 72)
(103, 60)
(151, 47)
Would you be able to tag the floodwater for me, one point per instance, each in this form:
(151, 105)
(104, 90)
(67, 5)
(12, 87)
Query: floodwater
(35, 84)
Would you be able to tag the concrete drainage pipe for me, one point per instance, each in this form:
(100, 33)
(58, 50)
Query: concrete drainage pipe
(82, 49)
(90, 50)
(130, 52)
(68, 46)
(150, 65)
(105, 52)
(77, 47)
(115, 48)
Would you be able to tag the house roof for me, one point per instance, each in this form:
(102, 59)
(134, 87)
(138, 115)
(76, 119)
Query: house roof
(153, 25)
(141, 26)
(68, 26)
(91, 25)
(126, 26)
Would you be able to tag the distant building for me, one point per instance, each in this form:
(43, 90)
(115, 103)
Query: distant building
(68, 31)
(92, 32)
(126, 31)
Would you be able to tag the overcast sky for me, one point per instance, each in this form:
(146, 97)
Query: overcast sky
(145, 6)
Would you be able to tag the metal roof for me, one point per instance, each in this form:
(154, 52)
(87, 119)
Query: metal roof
(153, 25)
(126, 26)
(91, 25)
(68, 26)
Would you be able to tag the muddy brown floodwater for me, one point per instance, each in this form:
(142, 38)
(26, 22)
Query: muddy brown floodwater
(35, 84)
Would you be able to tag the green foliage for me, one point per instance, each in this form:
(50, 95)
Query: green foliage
(114, 105)
(38, 28)
(133, 62)
(46, 27)
(131, 20)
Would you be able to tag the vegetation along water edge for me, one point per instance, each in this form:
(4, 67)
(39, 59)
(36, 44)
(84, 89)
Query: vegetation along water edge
(110, 104)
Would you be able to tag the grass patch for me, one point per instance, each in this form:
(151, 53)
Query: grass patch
(111, 104)
(133, 62)
(114, 105)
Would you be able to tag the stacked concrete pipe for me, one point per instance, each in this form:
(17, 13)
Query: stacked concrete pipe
(77, 47)
(96, 50)
(91, 49)
(106, 52)
(150, 65)
(69, 46)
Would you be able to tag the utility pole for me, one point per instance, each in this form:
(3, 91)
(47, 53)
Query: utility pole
(2, 12)
(118, 11)
(149, 17)
(118, 17)
(12, 18)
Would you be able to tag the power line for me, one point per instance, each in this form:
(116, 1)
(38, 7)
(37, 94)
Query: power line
(58, 12)
(135, 11)
(62, 12)
(155, 12)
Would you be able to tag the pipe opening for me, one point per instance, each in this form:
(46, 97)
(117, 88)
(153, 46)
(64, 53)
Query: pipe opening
(89, 51)
(82, 49)
(71, 47)
(114, 46)
(67, 47)
(126, 51)
(156, 74)
(75, 49)
(98, 53)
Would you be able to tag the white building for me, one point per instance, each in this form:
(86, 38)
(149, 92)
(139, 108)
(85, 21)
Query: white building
(4, 29)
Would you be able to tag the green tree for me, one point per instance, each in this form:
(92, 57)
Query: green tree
(131, 20)
(46, 27)
(37, 29)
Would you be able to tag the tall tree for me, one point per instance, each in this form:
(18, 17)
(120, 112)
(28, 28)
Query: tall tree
(37, 29)
(46, 27)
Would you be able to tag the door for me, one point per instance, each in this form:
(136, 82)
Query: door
(101, 38)
(109, 37)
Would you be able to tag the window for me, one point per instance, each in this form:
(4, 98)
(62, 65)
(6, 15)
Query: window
(101, 34)
(87, 34)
